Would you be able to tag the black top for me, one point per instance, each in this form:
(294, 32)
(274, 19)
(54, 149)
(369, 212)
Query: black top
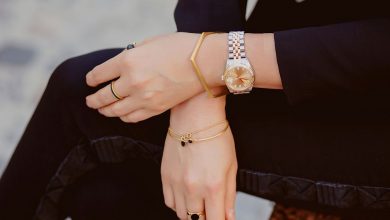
(324, 48)
(331, 122)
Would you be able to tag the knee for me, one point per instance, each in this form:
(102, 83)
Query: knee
(68, 78)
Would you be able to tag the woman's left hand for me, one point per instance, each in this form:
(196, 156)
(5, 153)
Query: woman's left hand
(153, 77)
(202, 175)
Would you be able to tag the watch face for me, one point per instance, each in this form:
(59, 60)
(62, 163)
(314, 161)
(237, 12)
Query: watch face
(239, 78)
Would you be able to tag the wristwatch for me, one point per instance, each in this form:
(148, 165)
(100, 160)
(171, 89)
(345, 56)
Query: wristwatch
(239, 75)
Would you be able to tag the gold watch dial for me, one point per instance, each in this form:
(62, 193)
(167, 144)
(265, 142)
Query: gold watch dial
(239, 78)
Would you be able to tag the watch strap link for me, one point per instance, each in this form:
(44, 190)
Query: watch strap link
(236, 45)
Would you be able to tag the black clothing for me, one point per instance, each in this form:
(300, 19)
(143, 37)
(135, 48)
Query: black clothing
(61, 123)
(321, 143)
(331, 122)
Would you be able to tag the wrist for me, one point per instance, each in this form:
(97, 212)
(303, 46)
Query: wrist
(212, 58)
(260, 51)
(197, 112)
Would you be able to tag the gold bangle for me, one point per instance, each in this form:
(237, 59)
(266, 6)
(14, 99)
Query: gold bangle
(197, 69)
(188, 137)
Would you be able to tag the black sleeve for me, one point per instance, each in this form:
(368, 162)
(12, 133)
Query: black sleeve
(197, 16)
(322, 62)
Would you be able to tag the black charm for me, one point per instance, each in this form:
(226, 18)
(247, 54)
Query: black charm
(183, 143)
(189, 141)
(194, 217)
(130, 46)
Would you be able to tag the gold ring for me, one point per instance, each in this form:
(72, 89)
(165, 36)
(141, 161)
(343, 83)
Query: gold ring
(114, 92)
(195, 215)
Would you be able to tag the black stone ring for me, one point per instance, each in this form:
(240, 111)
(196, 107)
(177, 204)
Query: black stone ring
(131, 46)
(195, 215)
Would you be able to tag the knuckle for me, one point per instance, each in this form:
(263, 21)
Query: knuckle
(88, 101)
(149, 95)
(91, 102)
(93, 76)
(191, 184)
(125, 119)
(214, 185)
(131, 118)
(117, 109)
(134, 118)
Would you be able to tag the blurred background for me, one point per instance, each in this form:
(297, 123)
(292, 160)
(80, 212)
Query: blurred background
(37, 35)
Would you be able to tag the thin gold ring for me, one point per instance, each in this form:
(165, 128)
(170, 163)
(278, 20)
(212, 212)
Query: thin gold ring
(114, 93)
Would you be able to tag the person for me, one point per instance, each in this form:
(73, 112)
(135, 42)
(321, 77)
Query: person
(311, 130)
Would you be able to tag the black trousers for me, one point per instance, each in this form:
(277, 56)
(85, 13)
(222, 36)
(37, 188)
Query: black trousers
(132, 190)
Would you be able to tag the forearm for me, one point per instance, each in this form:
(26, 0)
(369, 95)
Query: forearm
(260, 50)
(200, 109)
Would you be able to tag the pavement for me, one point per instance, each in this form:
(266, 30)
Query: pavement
(37, 35)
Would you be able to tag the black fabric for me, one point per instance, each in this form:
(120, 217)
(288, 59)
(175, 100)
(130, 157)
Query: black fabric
(325, 48)
(60, 122)
(284, 188)
(213, 15)
(100, 171)
(331, 121)
(95, 170)
(318, 64)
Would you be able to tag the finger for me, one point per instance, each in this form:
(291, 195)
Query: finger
(230, 198)
(195, 204)
(105, 96)
(136, 116)
(121, 108)
(104, 72)
(168, 196)
(181, 210)
(215, 203)
(194, 199)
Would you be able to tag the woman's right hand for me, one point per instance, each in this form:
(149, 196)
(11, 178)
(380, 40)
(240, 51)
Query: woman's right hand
(155, 76)
(202, 175)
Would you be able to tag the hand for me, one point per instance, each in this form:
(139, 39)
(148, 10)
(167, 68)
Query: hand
(202, 175)
(153, 77)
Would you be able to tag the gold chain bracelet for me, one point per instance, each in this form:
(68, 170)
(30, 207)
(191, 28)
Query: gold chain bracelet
(189, 138)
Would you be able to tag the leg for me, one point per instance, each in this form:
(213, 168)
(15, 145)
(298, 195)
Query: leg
(58, 123)
(319, 157)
